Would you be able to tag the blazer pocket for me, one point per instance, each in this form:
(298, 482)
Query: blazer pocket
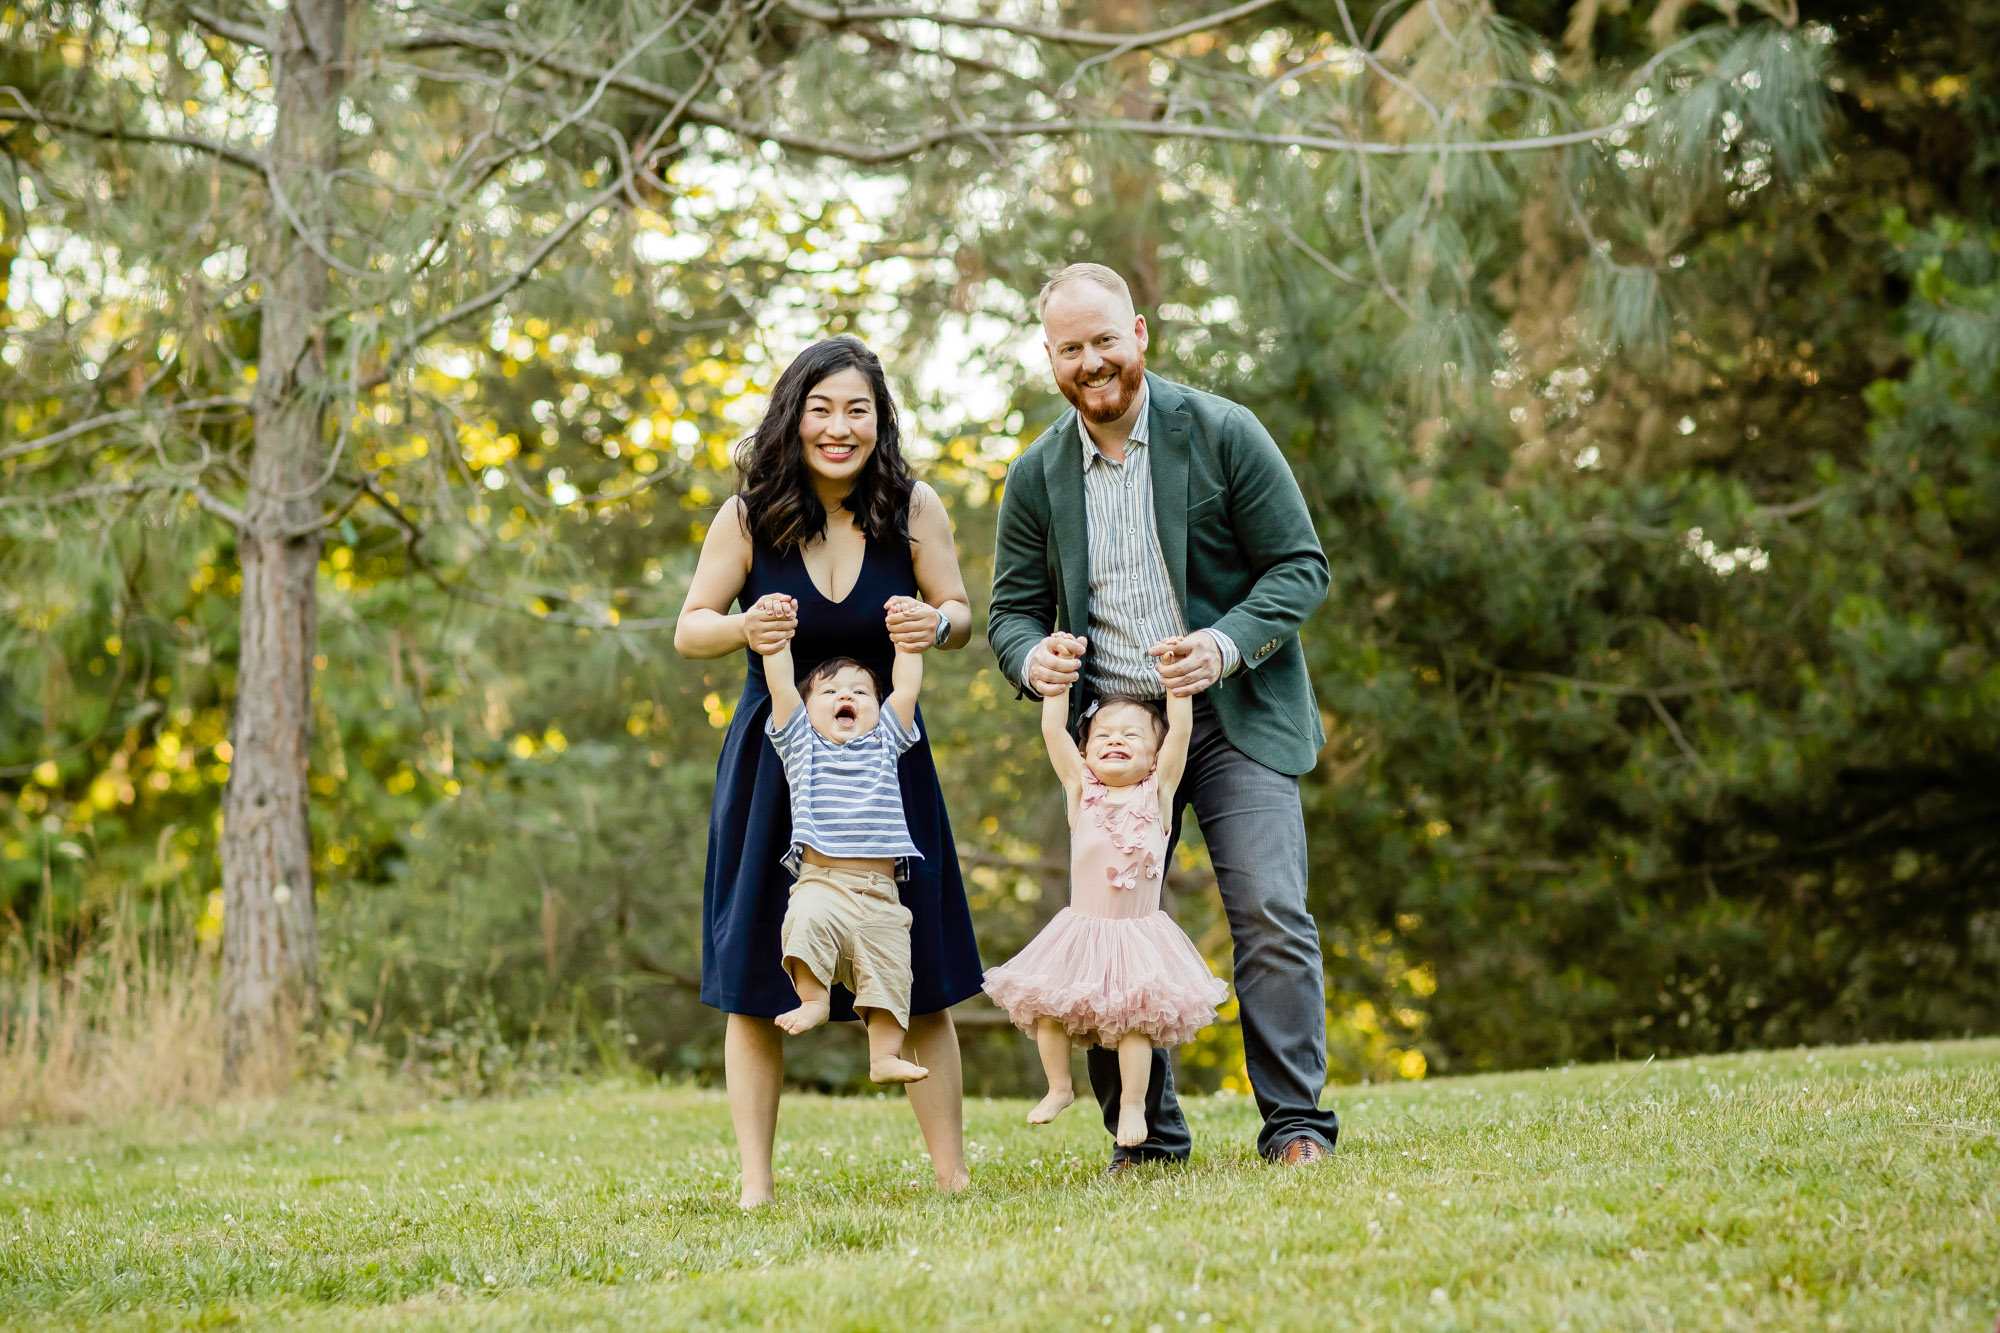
(1202, 503)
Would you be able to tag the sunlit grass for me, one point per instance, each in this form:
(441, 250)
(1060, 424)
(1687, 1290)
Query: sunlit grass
(1853, 1187)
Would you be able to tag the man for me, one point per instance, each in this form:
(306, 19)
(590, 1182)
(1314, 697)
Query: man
(1162, 525)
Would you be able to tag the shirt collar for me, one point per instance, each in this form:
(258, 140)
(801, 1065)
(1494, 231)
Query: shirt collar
(1141, 435)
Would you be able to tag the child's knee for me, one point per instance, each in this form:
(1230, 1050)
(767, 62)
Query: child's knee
(813, 942)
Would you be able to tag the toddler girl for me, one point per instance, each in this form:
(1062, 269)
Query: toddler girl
(1112, 969)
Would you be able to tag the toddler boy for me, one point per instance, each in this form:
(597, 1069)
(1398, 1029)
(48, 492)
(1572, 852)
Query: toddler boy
(846, 923)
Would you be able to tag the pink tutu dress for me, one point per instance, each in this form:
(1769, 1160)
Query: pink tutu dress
(1112, 962)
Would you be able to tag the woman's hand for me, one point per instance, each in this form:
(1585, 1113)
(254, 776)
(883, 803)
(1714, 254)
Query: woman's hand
(912, 624)
(770, 623)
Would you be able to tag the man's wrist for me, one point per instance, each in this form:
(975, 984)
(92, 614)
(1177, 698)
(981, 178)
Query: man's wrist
(1225, 647)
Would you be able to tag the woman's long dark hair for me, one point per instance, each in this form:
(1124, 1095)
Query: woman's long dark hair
(780, 506)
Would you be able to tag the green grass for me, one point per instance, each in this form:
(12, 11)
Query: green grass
(1853, 1187)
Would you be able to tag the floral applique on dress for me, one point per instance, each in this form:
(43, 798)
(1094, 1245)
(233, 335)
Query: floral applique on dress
(1112, 962)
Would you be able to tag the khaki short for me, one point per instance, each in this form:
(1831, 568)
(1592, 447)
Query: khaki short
(849, 928)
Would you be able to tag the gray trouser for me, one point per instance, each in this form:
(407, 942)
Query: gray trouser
(1256, 834)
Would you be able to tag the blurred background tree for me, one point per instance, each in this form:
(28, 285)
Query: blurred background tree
(1638, 359)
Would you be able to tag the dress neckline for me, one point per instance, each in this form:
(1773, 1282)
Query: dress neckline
(861, 571)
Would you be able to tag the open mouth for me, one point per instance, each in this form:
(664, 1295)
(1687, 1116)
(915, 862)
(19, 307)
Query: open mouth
(846, 713)
(836, 453)
(1107, 377)
(1116, 753)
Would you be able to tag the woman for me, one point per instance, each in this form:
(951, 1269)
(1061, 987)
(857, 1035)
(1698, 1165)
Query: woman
(825, 512)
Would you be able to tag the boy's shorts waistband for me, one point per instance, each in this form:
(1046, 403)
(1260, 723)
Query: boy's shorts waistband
(872, 882)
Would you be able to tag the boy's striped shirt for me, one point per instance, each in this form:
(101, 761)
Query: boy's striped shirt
(847, 800)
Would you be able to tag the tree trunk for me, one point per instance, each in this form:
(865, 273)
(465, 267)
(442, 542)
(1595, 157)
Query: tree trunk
(270, 948)
(1135, 182)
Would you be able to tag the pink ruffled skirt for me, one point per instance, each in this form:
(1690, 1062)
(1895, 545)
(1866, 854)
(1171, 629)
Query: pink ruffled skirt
(1109, 976)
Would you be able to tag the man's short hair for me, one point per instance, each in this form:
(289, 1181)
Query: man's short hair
(1097, 274)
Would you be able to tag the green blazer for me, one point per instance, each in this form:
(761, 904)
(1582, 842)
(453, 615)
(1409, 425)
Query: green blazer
(1240, 550)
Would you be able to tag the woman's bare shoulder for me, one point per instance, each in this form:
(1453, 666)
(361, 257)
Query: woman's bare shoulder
(927, 509)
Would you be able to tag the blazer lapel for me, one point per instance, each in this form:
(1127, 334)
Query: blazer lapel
(1170, 424)
(1068, 526)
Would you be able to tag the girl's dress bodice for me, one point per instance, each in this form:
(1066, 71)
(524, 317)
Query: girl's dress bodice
(1118, 849)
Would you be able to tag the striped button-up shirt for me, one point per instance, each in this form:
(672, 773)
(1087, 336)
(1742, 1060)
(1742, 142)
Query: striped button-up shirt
(1131, 598)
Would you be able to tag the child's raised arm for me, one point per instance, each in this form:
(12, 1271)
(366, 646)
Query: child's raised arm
(1063, 754)
(906, 678)
(778, 677)
(1172, 762)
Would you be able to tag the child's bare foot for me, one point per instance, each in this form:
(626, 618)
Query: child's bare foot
(1051, 1106)
(957, 1183)
(755, 1199)
(895, 1070)
(804, 1018)
(1131, 1126)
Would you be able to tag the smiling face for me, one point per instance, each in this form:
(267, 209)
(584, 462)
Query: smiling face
(1097, 349)
(1122, 744)
(842, 704)
(838, 428)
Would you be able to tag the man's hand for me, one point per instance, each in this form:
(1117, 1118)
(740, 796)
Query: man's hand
(1188, 664)
(1056, 663)
(770, 623)
(912, 624)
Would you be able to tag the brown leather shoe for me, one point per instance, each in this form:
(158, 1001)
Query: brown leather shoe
(1302, 1151)
(1121, 1169)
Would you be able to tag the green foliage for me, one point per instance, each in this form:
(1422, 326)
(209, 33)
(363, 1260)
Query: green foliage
(1657, 469)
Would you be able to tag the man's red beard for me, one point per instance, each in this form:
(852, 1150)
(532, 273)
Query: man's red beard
(1131, 377)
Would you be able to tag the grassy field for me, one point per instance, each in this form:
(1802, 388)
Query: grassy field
(1838, 1188)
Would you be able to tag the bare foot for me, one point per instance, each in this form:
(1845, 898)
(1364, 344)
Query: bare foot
(957, 1184)
(1131, 1126)
(755, 1199)
(804, 1018)
(896, 1071)
(1051, 1106)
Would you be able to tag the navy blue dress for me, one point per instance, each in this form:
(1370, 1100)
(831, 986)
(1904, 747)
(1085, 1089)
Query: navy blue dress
(750, 825)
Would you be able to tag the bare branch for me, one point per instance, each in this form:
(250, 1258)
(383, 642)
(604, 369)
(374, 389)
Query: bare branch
(838, 16)
(1796, 507)
(1624, 691)
(119, 134)
(1154, 129)
(1368, 234)
(677, 112)
(705, 113)
(229, 28)
(112, 419)
(222, 509)
(1320, 259)
(1674, 730)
